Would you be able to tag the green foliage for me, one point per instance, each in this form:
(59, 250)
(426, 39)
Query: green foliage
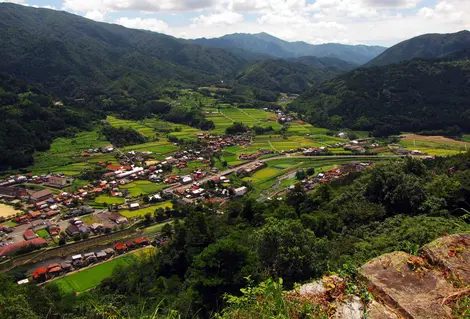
(413, 96)
(120, 136)
(236, 128)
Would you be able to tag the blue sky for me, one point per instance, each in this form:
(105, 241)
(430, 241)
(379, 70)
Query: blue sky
(373, 22)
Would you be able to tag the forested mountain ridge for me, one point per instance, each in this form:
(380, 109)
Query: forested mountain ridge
(270, 45)
(411, 96)
(291, 76)
(68, 54)
(430, 46)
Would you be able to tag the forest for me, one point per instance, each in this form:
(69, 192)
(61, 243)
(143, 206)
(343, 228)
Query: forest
(413, 96)
(396, 205)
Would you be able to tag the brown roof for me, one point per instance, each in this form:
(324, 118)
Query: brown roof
(42, 193)
(12, 249)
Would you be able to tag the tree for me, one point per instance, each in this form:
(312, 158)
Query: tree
(167, 230)
(310, 171)
(221, 268)
(287, 250)
(300, 175)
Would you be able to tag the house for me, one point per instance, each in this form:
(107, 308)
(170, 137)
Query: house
(72, 230)
(101, 255)
(97, 227)
(40, 274)
(120, 248)
(77, 257)
(142, 241)
(240, 191)
(109, 252)
(83, 229)
(54, 269)
(41, 195)
(66, 266)
(29, 234)
(35, 214)
(186, 180)
(118, 218)
(130, 244)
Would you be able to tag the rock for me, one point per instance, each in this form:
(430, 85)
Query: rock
(376, 310)
(314, 288)
(406, 284)
(351, 308)
(452, 253)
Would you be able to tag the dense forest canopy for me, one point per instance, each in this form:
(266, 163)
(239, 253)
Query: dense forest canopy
(414, 96)
(397, 205)
(429, 46)
(31, 120)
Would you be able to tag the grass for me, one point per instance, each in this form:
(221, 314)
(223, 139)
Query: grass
(91, 277)
(461, 308)
(143, 211)
(138, 188)
(104, 199)
(90, 219)
(43, 233)
(155, 228)
(435, 147)
(10, 224)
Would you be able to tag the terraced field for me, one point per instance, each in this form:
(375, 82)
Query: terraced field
(65, 154)
(138, 126)
(434, 145)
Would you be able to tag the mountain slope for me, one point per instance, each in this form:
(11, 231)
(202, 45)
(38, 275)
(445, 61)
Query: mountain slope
(289, 76)
(424, 46)
(267, 44)
(411, 96)
(68, 54)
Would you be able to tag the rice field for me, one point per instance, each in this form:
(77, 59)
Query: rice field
(65, 154)
(145, 130)
(104, 199)
(91, 277)
(434, 145)
(142, 187)
(143, 211)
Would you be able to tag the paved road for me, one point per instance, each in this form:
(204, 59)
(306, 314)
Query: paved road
(234, 169)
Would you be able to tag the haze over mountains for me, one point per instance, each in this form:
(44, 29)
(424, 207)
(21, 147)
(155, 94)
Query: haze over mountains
(269, 45)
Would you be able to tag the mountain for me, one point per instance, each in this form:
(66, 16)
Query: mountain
(68, 54)
(291, 76)
(410, 96)
(424, 46)
(267, 44)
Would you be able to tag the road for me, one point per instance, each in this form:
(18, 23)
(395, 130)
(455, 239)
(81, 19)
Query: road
(234, 169)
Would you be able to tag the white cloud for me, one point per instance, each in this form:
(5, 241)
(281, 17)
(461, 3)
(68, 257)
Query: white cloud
(144, 24)
(137, 5)
(226, 18)
(454, 12)
(95, 15)
(14, 1)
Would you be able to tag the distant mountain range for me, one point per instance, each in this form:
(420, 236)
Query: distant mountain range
(429, 46)
(269, 45)
(69, 55)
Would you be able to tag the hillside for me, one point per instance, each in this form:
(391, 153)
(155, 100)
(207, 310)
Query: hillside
(288, 76)
(411, 96)
(427, 46)
(68, 54)
(31, 120)
(267, 44)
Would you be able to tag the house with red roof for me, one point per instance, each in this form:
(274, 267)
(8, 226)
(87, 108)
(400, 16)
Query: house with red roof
(29, 234)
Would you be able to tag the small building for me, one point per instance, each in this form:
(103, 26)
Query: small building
(59, 182)
(40, 274)
(66, 266)
(101, 255)
(240, 191)
(109, 252)
(142, 241)
(77, 257)
(134, 206)
(118, 218)
(54, 269)
(29, 235)
(120, 248)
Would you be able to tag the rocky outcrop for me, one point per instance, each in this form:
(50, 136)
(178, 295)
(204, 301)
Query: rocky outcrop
(402, 285)
(406, 286)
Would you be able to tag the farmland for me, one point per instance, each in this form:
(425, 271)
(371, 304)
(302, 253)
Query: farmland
(143, 211)
(434, 145)
(138, 188)
(65, 154)
(91, 277)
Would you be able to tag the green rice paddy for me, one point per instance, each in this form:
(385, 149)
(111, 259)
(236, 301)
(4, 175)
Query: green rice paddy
(143, 211)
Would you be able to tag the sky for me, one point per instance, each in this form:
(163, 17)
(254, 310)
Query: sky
(371, 22)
